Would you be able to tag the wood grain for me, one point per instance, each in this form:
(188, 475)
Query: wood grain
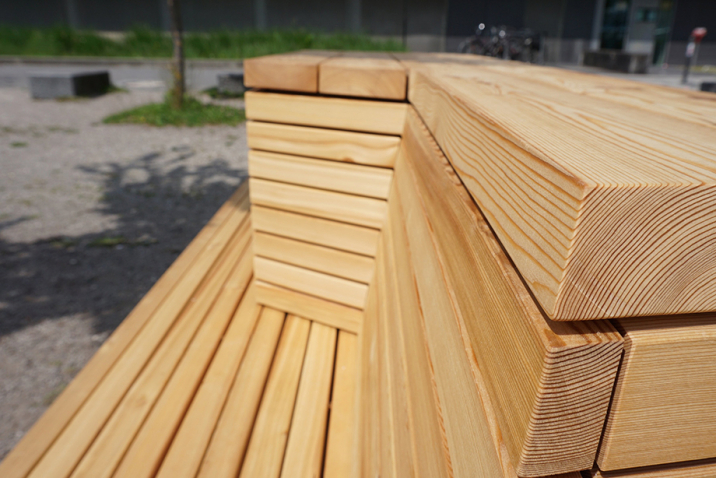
(264, 456)
(225, 452)
(337, 235)
(145, 420)
(551, 398)
(692, 469)
(382, 117)
(319, 310)
(79, 433)
(368, 75)
(292, 71)
(193, 436)
(200, 254)
(321, 174)
(307, 437)
(340, 442)
(309, 282)
(318, 258)
(664, 404)
(360, 211)
(589, 198)
(346, 146)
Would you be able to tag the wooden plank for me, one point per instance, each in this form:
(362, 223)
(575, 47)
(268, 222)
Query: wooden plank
(467, 430)
(347, 146)
(321, 174)
(195, 432)
(369, 75)
(382, 117)
(360, 211)
(77, 436)
(264, 456)
(550, 382)
(166, 385)
(225, 452)
(431, 455)
(664, 404)
(692, 469)
(307, 436)
(296, 71)
(309, 282)
(338, 235)
(323, 311)
(39, 438)
(685, 105)
(589, 198)
(369, 442)
(340, 443)
(310, 256)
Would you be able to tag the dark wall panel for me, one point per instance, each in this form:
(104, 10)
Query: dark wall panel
(39, 13)
(320, 15)
(694, 13)
(465, 15)
(579, 18)
(115, 15)
(205, 15)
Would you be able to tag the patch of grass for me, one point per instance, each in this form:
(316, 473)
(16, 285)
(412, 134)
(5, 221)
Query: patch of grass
(109, 241)
(143, 42)
(18, 144)
(214, 93)
(194, 113)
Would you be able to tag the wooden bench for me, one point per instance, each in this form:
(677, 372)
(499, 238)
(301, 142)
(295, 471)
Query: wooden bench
(397, 301)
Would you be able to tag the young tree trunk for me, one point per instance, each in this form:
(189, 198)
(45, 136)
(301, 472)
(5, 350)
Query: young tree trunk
(177, 91)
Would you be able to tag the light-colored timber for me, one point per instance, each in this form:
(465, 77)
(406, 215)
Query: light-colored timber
(353, 179)
(357, 210)
(589, 198)
(186, 453)
(292, 72)
(382, 117)
(664, 404)
(319, 310)
(323, 232)
(692, 469)
(551, 399)
(310, 282)
(169, 294)
(318, 258)
(368, 75)
(340, 442)
(264, 456)
(307, 437)
(346, 146)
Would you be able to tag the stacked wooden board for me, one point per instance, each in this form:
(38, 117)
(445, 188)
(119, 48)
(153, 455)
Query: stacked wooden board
(201, 380)
(320, 172)
(526, 254)
(597, 193)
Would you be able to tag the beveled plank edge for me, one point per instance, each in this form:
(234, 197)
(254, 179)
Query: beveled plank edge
(307, 306)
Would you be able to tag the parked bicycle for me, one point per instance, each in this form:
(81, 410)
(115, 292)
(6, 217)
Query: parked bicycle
(505, 42)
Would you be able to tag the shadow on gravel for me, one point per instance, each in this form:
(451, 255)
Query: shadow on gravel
(106, 274)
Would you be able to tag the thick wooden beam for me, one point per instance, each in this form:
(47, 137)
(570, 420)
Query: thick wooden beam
(382, 117)
(590, 199)
(664, 404)
(365, 74)
(692, 469)
(347, 146)
(550, 382)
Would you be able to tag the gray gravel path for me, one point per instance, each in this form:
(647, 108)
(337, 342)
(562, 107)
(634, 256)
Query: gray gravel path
(90, 217)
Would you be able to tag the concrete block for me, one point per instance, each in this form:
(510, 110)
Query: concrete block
(709, 86)
(231, 83)
(63, 85)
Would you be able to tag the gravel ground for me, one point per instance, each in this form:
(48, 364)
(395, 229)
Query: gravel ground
(90, 217)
